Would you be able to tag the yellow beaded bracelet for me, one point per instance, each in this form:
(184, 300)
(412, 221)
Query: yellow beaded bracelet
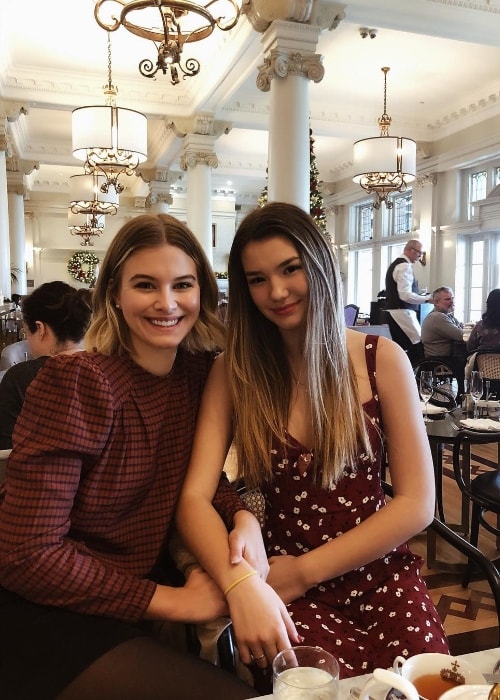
(238, 580)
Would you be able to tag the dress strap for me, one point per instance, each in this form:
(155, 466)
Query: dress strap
(371, 343)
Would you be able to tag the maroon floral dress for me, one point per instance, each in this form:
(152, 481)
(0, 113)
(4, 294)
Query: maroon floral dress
(370, 615)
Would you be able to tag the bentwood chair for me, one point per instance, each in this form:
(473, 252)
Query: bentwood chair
(474, 555)
(445, 382)
(483, 491)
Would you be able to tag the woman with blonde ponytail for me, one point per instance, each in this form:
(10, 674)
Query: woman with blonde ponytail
(311, 407)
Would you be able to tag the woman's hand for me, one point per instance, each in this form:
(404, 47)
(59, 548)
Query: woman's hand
(286, 577)
(199, 600)
(261, 623)
(245, 542)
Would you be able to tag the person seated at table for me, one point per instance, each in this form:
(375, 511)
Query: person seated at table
(486, 332)
(312, 405)
(442, 334)
(100, 451)
(55, 318)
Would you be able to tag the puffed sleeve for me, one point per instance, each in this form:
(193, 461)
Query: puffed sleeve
(62, 433)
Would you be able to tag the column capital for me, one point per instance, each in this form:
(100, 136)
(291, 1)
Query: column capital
(425, 180)
(15, 164)
(190, 158)
(5, 142)
(16, 183)
(158, 175)
(281, 63)
(203, 124)
(12, 110)
(323, 13)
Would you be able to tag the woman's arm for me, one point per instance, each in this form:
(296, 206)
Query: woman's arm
(412, 477)
(260, 619)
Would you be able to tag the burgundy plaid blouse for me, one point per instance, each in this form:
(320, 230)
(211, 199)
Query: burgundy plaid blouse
(100, 451)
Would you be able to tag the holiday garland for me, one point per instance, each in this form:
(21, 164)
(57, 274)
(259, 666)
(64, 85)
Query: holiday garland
(81, 266)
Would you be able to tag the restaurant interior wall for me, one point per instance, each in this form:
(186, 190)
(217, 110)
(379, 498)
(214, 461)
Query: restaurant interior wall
(50, 244)
(444, 176)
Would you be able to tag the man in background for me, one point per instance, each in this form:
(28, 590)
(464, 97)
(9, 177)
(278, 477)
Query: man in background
(403, 300)
(442, 334)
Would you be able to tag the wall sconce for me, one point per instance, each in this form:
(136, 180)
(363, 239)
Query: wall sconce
(423, 259)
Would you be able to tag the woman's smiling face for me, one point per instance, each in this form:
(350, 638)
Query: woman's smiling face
(159, 297)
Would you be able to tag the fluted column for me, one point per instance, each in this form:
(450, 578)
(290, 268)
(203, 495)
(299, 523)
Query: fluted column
(9, 112)
(17, 192)
(290, 35)
(4, 219)
(199, 135)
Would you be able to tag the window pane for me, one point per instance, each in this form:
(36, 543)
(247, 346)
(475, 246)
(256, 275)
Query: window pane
(364, 222)
(477, 186)
(402, 213)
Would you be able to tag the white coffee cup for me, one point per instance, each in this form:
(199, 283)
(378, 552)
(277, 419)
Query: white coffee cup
(406, 671)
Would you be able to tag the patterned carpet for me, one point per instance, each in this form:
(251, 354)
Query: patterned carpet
(469, 615)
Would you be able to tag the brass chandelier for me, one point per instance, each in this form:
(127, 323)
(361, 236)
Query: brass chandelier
(89, 202)
(111, 140)
(169, 24)
(87, 226)
(384, 164)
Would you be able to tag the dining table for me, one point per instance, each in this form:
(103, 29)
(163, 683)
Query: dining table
(484, 661)
(443, 429)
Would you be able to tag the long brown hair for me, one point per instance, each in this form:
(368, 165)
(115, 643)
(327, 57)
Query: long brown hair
(108, 332)
(260, 378)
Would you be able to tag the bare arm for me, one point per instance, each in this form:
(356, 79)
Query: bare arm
(411, 471)
(261, 622)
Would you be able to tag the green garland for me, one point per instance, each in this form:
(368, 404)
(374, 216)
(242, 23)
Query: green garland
(81, 266)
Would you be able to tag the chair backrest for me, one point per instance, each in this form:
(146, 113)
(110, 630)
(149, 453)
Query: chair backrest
(445, 382)
(351, 312)
(489, 365)
(15, 353)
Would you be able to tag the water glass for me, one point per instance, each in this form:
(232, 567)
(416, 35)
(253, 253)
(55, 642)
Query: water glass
(475, 388)
(426, 389)
(305, 673)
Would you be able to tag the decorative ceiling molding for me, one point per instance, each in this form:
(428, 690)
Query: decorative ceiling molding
(484, 6)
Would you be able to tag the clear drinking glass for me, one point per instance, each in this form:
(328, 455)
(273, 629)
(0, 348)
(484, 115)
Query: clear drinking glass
(426, 388)
(305, 673)
(475, 388)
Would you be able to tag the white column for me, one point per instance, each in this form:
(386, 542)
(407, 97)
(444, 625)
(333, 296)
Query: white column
(198, 158)
(9, 113)
(17, 233)
(5, 285)
(290, 36)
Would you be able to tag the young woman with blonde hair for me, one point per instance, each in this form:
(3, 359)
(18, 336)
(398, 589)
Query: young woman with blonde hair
(99, 454)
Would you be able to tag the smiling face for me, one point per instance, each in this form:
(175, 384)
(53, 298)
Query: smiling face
(159, 297)
(277, 282)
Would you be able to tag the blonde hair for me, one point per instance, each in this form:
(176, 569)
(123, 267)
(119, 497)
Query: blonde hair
(108, 332)
(259, 377)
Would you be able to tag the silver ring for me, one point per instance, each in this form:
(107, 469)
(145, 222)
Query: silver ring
(259, 658)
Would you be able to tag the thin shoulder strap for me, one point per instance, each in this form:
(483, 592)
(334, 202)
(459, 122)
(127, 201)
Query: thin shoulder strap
(371, 343)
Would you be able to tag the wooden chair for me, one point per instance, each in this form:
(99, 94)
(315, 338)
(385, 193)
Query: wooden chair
(483, 491)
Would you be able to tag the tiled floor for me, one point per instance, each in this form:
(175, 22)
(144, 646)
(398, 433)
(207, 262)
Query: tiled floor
(469, 615)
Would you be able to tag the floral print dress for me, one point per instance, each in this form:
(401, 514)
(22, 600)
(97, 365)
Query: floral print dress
(370, 615)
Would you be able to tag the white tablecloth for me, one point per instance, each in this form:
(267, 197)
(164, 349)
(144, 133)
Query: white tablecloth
(482, 660)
